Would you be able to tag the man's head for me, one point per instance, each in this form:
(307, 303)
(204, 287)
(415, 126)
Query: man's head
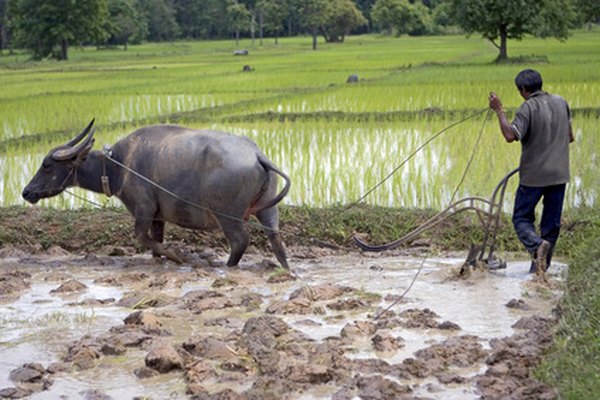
(528, 81)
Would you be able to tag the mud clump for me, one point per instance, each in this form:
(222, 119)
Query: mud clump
(512, 359)
(13, 281)
(163, 358)
(70, 286)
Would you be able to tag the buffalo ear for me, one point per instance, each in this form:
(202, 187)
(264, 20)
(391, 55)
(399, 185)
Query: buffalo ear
(82, 155)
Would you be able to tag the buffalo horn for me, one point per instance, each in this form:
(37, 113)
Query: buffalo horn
(70, 152)
(76, 140)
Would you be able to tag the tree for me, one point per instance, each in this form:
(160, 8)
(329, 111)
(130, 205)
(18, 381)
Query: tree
(365, 7)
(42, 26)
(271, 14)
(201, 18)
(313, 17)
(253, 11)
(188, 15)
(512, 19)
(588, 11)
(293, 20)
(124, 24)
(159, 16)
(238, 18)
(332, 18)
(3, 25)
(341, 17)
(400, 17)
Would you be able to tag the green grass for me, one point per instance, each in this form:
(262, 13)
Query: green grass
(445, 72)
(573, 363)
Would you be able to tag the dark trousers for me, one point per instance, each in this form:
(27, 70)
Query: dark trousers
(523, 219)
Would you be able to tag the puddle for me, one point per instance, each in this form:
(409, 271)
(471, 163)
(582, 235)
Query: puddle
(39, 325)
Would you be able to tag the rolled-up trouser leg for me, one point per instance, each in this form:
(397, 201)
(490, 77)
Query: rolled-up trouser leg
(523, 219)
(550, 224)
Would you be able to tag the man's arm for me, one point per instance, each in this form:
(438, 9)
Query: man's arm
(571, 136)
(505, 126)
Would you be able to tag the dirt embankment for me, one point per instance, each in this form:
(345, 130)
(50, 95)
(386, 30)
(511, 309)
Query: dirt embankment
(80, 231)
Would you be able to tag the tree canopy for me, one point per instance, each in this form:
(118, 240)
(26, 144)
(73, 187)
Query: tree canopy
(238, 18)
(48, 27)
(512, 19)
(44, 25)
(124, 24)
(341, 17)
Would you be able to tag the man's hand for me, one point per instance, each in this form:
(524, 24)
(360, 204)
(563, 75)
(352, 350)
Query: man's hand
(495, 103)
(505, 127)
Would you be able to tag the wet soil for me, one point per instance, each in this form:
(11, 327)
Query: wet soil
(120, 325)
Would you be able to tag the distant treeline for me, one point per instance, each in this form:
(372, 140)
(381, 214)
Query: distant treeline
(48, 27)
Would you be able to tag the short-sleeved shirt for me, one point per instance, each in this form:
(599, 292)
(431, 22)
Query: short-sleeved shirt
(542, 125)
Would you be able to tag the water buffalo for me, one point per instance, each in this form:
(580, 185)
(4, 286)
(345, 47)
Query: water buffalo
(198, 179)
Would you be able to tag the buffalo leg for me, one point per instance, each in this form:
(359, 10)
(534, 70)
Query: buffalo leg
(238, 239)
(142, 227)
(269, 218)
(157, 233)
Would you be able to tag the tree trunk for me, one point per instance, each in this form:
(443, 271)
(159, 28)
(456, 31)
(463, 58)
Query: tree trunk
(260, 27)
(2, 38)
(237, 38)
(253, 28)
(503, 55)
(314, 41)
(64, 50)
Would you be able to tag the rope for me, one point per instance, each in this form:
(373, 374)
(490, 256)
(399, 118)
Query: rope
(175, 195)
(388, 176)
(405, 292)
(84, 199)
(467, 167)
(462, 179)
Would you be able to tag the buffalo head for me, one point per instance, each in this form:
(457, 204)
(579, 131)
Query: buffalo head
(58, 170)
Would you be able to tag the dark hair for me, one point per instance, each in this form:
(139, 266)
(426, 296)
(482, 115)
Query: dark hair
(530, 80)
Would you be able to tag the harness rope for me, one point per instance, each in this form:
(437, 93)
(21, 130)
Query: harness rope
(175, 195)
(467, 167)
(431, 139)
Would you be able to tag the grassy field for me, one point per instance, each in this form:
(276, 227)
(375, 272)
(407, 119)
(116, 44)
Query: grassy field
(573, 363)
(336, 140)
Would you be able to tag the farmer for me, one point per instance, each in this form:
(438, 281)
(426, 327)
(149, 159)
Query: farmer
(543, 126)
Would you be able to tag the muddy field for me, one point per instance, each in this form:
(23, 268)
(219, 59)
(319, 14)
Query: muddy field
(116, 325)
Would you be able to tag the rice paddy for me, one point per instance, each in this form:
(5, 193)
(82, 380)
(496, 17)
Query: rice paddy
(335, 139)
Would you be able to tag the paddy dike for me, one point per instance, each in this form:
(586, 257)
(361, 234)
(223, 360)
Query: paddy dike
(117, 324)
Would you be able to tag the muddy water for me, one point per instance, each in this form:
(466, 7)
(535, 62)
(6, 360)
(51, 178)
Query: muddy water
(38, 325)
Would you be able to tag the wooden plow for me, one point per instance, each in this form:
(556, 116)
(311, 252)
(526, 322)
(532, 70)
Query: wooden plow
(487, 210)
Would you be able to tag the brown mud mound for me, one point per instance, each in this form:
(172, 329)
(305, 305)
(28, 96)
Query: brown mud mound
(125, 326)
